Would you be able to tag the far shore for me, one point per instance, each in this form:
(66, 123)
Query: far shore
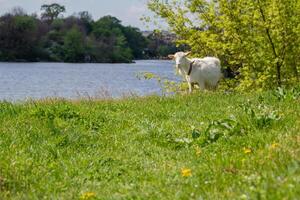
(45, 61)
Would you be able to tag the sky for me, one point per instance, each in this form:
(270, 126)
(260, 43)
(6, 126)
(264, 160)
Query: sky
(128, 11)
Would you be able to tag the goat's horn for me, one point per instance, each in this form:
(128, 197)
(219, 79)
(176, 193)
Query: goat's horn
(187, 53)
(171, 56)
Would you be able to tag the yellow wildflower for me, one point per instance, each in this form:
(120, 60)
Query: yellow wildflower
(275, 145)
(88, 195)
(185, 172)
(198, 151)
(247, 150)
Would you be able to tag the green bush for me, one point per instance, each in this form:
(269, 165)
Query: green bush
(258, 39)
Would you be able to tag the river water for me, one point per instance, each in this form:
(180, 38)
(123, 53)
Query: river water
(20, 81)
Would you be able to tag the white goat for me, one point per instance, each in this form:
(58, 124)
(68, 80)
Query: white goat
(206, 71)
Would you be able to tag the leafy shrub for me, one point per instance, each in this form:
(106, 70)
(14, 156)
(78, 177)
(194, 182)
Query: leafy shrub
(281, 93)
(258, 116)
(261, 115)
(218, 129)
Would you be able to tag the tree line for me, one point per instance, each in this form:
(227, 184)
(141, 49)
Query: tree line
(76, 38)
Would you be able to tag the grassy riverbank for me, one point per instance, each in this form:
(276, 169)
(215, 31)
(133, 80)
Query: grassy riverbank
(203, 146)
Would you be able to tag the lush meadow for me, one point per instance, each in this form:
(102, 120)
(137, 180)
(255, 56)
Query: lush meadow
(200, 146)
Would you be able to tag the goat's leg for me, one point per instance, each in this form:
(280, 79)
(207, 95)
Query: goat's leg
(190, 87)
(188, 80)
(201, 85)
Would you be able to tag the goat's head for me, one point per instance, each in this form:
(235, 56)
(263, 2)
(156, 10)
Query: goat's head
(180, 58)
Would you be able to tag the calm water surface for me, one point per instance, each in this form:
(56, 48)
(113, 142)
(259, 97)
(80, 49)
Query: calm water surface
(19, 81)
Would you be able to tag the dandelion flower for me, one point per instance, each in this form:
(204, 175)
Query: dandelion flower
(275, 145)
(198, 151)
(247, 150)
(87, 195)
(185, 172)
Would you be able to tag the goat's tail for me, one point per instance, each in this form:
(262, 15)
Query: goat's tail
(218, 62)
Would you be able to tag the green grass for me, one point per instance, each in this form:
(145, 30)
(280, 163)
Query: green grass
(236, 146)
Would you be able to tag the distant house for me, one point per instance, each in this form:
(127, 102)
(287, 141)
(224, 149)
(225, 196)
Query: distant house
(166, 36)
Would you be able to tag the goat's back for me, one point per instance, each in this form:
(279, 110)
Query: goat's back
(208, 69)
(208, 60)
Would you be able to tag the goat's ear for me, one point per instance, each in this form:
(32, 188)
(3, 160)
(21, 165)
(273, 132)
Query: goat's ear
(171, 56)
(187, 53)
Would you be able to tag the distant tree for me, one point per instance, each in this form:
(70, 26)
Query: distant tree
(74, 47)
(109, 22)
(136, 41)
(53, 40)
(72, 21)
(121, 52)
(51, 11)
(106, 27)
(18, 11)
(108, 32)
(54, 45)
(18, 37)
(87, 20)
(96, 50)
(85, 16)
